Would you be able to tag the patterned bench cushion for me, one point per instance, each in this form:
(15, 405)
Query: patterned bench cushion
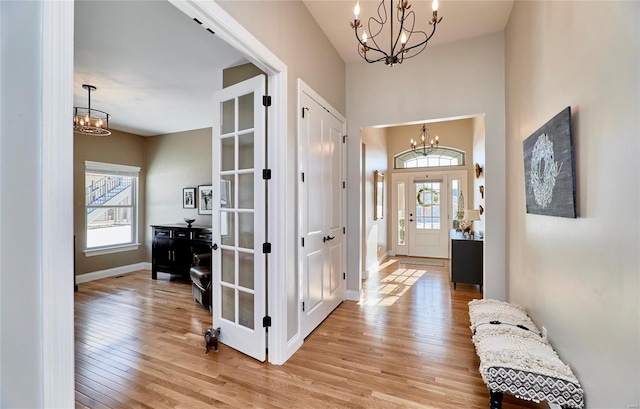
(515, 359)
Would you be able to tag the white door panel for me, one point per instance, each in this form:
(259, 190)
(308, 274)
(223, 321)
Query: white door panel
(321, 156)
(428, 208)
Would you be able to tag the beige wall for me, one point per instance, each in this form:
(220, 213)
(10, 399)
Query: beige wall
(234, 75)
(176, 161)
(580, 278)
(375, 231)
(453, 80)
(119, 148)
(288, 30)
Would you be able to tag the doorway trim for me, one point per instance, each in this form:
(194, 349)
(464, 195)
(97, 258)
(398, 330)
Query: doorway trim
(57, 98)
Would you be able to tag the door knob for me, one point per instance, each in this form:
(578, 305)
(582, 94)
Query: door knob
(214, 246)
(330, 238)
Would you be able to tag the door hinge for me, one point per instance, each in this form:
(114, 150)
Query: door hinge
(302, 305)
(266, 248)
(344, 276)
(266, 174)
(344, 230)
(303, 176)
(344, 138)
(302, 241)
(266, 321)
(344, 185)
(266, 100)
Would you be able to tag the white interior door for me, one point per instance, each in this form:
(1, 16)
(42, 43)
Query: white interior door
(322, 203)
(239, 217)
(428, 217)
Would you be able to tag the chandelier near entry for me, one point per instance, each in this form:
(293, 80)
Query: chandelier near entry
(428, 144)
(89, 121)
(399, 41)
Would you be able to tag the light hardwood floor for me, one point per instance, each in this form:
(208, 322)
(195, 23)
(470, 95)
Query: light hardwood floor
(139, 344)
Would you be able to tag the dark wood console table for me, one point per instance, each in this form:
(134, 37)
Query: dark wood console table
(466, 259)
(174, 246)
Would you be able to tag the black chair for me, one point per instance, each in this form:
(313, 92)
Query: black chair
(201, 279)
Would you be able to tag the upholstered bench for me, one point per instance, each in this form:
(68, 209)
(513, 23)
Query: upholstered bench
(201, 279)
(515, 359)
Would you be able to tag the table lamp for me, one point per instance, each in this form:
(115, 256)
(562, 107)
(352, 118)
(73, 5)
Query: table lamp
(470, 215)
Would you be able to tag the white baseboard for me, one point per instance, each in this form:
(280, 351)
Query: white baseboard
(112, 272)
(353, 295)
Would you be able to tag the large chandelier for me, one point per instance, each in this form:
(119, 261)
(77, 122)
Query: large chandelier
(89, 121)
(426, 144)
(399, 47)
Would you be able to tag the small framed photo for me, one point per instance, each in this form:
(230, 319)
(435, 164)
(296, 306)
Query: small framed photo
(189, 198)
(205, 199)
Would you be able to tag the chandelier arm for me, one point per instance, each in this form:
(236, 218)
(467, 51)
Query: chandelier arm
(400, 17)
(423, 42)
(368, 48)
(373, 37)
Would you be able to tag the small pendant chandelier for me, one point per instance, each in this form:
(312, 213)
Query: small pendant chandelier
(426, 144)
(399, 47)
(89, 121)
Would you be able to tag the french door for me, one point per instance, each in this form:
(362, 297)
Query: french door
(239, 217)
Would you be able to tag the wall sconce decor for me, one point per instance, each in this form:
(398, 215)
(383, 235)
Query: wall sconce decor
(482, 191)
(478, 170)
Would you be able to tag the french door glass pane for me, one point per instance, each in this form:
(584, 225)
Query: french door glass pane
(245, 106)
(245, 153)
(246, 309)
(245, 270)
(245, 191)
(427, 205)
(228, 228)
(228, 266)
(228, 303)
(245, 230)
(228, 117)
(227, 157)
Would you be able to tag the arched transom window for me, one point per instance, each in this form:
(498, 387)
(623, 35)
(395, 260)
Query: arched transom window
(442, 156)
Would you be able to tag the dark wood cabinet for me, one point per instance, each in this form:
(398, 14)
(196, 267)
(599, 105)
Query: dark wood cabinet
(466, 259)
(174, 247)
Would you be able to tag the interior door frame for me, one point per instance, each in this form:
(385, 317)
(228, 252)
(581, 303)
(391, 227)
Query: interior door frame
(407, 176)
(57, 99)
(212, 16)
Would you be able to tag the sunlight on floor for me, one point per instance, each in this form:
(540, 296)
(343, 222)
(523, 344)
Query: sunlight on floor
(391, 288)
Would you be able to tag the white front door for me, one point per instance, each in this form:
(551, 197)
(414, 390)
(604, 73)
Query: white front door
(239, 217)
(322, 201)
(428, 213)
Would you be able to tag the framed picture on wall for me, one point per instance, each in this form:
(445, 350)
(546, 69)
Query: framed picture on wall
(205, 199)
(378, 195)
(189, 198)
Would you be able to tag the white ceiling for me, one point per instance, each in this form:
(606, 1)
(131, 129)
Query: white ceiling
(154, 67)
(461, 20)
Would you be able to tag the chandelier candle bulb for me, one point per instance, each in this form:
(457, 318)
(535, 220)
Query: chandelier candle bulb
(434, 5)
(356, 10)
